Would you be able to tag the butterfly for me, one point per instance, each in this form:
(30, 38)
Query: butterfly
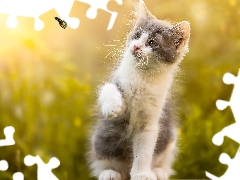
(62, 23)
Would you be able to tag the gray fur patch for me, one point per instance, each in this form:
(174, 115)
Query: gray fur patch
(166, 126)
(111, 140)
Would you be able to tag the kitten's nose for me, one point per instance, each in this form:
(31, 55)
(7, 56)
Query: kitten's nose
(135, 47)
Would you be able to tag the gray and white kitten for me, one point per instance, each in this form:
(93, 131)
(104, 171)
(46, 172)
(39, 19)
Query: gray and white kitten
(135, 136)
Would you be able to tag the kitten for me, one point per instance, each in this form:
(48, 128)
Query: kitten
(135, 136)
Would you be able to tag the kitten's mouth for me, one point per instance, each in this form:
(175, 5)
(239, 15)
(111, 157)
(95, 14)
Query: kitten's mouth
(138, 54)
(141, 60)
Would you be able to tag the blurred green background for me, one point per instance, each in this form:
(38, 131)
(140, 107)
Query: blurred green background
(48, 82)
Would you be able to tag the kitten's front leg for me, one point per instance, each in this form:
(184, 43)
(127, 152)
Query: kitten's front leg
(143, 149)
(111, 101)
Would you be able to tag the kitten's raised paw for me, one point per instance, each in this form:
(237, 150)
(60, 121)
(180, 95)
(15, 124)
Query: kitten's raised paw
(109, 175)
(111, 101)
(113, 108)
(144, 176)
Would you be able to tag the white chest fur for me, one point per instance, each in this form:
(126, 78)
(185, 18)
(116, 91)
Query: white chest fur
(144, 94)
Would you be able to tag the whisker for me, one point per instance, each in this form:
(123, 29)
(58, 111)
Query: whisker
(114, 54)
(147, 61)
(108, 55)
(110, 45)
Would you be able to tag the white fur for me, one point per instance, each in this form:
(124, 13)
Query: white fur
(140, 43)
(144, 142)
(110, 100)
(109, 174)
(99, 167)
(144, 176)
(162, 163)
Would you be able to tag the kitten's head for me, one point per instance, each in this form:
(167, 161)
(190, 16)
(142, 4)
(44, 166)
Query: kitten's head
(154, 43)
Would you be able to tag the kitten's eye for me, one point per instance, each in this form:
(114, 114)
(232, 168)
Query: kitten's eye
(137, 35)
(152, 43)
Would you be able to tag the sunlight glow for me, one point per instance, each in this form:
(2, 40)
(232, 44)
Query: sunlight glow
(200, 12)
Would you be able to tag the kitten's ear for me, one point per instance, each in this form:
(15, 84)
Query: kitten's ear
(181, 33)
(142, 14)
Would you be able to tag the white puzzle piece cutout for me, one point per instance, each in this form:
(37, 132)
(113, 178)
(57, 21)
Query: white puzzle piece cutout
(233, 171)
(44, 171)
(8, 132)
(100, 4)
(3, 165)
(36, 8)
(18, 176)
(232, 131)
